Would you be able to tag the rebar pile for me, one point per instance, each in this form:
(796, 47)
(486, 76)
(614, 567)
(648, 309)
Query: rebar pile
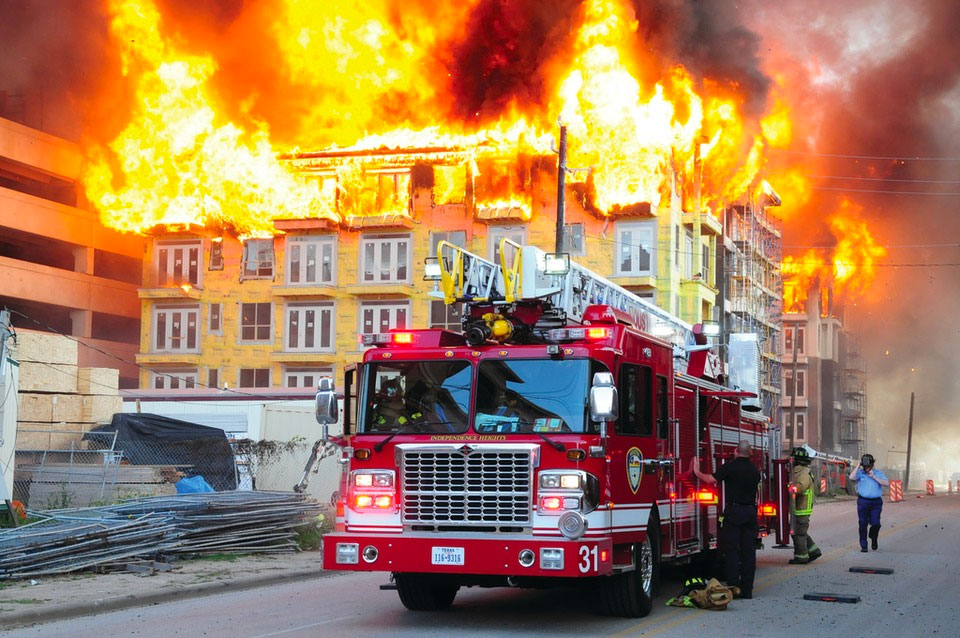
(225, 522)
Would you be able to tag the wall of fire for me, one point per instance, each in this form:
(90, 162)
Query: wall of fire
(218, 310)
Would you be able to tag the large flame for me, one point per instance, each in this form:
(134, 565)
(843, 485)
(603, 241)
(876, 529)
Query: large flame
(178, 163)
(849, 268)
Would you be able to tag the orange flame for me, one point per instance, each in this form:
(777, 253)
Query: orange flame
(181, 162)
(849, 269)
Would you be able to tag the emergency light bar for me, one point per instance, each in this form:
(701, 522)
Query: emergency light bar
(573, 334)
(384, 338)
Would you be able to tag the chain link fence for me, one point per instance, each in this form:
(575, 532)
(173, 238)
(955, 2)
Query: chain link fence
(96, 469)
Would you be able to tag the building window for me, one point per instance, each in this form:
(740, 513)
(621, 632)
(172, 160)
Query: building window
(385, 259)
(310, 327)
(305, 377)
(676, 247)
(801, 422)
(213, 377)
(705, 264)
(256, 322)
(573, 240)
(788, 383)
(175, 328)
(382, 316)
(687, 254)
(517, 234)
(311, 260)
(174, 380)
(254, 377)
(216, 254)
(257, 259)
(445, 317)
(635, 250)
(788, 341)
(800, 331)
(178, 263)
(216, 311)
(455, 237)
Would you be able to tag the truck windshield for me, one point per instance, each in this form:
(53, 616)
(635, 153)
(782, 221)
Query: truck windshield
(417, 396)
(528, 396)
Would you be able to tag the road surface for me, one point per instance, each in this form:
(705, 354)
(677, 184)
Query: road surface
(920, 539)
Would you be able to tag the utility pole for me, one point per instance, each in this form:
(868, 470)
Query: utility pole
(906, 475)
(561, 185)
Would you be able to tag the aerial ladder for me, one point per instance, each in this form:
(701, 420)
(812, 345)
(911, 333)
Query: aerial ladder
(531, 291)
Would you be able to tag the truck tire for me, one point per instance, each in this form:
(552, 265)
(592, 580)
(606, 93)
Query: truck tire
(631, 594)
(421, 592)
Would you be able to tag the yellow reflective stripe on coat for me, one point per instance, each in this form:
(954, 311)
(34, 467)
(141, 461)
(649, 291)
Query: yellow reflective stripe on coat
(808, 510)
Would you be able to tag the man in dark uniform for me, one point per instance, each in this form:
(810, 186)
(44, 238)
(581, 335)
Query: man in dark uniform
(738, 535)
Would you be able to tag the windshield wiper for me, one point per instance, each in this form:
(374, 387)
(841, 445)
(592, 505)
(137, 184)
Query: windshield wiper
(407, 429)
(557, 445)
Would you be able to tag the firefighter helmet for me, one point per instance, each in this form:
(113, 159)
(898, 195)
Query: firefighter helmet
(867, 461)
(390, 389)
(800, 455)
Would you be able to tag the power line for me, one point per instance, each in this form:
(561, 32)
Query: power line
(868, 157)
(863, 190)
(887, 179)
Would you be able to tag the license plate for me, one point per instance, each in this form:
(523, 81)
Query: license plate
(447, 556)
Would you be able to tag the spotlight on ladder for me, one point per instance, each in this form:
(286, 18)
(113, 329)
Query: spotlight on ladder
(556, 264)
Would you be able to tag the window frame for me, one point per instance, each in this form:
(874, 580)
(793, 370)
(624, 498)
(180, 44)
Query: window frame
(393, 306)
(190, 377)
(302, 372)
(635, 227)
(218, 313)
(156, 332)
(496, 233)
(268, 370)
(378, 240)
(319, 307)
(169, 278)
(256, 326)
(568, 246)
(302, 242)
(246, 259)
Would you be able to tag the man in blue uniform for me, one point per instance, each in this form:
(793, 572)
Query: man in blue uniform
(870, 484)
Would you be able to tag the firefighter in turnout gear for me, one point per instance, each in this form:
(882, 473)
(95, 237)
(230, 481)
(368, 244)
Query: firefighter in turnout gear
(390, 410)
(801, 486)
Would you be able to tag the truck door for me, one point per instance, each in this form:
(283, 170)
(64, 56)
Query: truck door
(684, 514)
(633, 451)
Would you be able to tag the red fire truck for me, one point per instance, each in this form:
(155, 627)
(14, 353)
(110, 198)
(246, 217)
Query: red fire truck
(549, 442)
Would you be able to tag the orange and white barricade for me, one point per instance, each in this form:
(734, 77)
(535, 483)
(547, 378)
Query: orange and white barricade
(896, 491)
(930, 490)
(823, 486)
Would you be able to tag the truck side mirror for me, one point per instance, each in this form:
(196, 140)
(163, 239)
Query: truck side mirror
(327, 410)
(604, 401)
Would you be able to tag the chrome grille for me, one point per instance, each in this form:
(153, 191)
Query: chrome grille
(487, 487)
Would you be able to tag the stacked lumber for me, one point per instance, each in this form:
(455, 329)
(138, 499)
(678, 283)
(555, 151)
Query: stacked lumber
(154, 528)
(58, 400)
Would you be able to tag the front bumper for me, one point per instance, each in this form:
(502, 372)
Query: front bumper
(481, 556)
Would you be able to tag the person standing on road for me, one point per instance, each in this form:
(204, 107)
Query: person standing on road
(738, 535)
(870, 484)
(801, 486)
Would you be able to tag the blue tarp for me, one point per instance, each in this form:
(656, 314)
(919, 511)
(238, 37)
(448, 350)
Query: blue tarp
(193, 485)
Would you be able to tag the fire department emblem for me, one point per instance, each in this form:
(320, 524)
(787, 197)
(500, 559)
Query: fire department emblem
(634, 468)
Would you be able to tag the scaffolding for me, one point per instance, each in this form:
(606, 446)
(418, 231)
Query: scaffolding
(853, 386)
(755, 291)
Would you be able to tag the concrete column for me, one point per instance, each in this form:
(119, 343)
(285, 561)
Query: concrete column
(83, 259)
(82, 321)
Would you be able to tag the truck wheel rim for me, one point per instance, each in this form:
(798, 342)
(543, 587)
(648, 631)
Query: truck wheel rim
(646, 565)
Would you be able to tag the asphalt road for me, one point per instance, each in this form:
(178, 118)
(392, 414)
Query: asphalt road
(920, 539)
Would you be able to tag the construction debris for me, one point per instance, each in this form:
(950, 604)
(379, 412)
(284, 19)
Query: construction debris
(74, 539)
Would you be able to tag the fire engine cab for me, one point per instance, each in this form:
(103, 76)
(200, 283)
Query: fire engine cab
(550, 442)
